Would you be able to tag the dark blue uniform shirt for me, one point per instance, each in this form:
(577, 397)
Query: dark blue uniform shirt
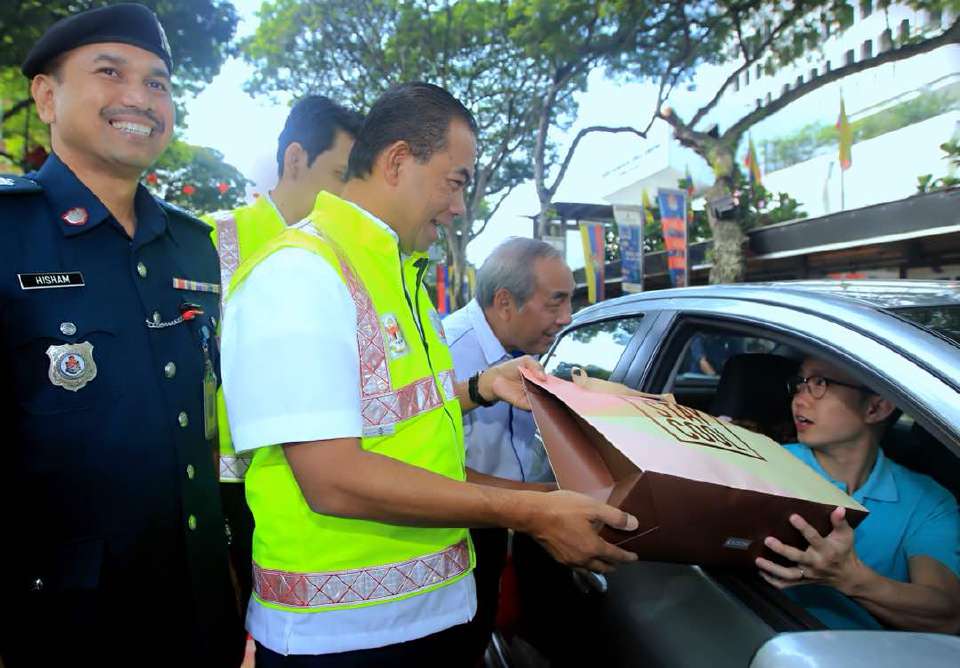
(112, 524)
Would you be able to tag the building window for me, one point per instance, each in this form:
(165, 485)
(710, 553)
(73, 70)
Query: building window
(886, 40)
(904, 32)
(827, 67)
(813, 74)
(866, 8)
(769, 98)
(849, 58)
(799, 81)
(786, 89)
(866, 50)
(746, 78)
(736, 85)
(757, 78)
(759, 103)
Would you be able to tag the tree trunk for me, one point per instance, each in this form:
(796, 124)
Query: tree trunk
(456, 270)
(728, 237)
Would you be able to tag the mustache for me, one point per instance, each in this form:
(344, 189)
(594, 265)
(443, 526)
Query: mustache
(110, 112)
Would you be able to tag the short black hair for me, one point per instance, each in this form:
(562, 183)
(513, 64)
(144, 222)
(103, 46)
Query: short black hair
(418, 113)
(313, 123)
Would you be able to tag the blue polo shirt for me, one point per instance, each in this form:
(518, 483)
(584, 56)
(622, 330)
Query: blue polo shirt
(910, 515)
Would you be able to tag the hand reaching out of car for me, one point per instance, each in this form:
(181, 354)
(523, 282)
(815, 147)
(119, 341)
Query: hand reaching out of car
(830, 560)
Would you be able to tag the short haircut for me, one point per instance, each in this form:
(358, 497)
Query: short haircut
(313, 123)
(511, 266)
(417, 113)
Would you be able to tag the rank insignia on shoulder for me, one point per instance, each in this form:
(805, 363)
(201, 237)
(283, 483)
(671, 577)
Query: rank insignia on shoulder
(396, 344)
(12, 184)
(71, 365)
(435, 320)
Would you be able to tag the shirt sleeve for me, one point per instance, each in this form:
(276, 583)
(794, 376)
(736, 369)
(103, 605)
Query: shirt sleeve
(935, 530)
(289, 354)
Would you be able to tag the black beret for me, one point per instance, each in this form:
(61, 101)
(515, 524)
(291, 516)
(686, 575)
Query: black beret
(125, 23)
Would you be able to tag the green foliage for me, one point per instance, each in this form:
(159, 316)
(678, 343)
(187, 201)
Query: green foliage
(927, 183)
(814, 138)
(353, 50)
(201, 171)
(199, 32)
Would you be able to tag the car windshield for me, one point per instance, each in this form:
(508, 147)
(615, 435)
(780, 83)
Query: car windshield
(945, 319)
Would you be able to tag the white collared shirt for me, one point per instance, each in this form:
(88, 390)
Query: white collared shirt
(500, 439)
(288, 351)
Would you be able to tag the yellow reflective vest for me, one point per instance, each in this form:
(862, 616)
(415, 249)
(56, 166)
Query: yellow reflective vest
(308, 562)
(237, 234)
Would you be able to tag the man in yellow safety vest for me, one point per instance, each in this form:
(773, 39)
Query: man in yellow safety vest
(338, 378)
(312, 153)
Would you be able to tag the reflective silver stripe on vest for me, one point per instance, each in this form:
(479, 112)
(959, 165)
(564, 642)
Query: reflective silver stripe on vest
(228, 247)
(380, 406)
(380, 583)
(233, 468)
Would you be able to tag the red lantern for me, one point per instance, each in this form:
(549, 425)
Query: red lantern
(223, 187)
(152, 178)
(189, 190)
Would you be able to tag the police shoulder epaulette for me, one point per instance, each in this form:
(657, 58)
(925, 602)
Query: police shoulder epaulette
(13, 184)
(182, 214)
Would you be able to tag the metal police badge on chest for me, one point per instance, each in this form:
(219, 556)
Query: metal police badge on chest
(71, 365)
(396, 344)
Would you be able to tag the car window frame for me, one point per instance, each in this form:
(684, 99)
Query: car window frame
(629, 351)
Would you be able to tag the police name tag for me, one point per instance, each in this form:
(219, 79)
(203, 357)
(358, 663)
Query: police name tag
(58, 279)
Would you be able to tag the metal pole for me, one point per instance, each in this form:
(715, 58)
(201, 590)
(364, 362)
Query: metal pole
(843, 200)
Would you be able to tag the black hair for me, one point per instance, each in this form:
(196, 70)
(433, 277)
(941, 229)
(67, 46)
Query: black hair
(417, 113)
(313, 123)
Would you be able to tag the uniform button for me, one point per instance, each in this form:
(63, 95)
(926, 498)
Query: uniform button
(68, 328)
(156, 317)
(36, 585)
(142, 269)
(190, 472)
(169, 369)
(192, 522)
(182, 419)
(213, 321)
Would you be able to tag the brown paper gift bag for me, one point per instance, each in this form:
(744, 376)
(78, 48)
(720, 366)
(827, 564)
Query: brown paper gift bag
(704, 491)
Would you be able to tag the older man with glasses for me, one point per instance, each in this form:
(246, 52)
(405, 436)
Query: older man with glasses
(900, 568)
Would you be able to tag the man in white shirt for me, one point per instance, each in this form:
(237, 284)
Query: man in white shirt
(305, 342)
(524, 291)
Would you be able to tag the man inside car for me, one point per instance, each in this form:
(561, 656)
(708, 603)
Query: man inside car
(901, 567)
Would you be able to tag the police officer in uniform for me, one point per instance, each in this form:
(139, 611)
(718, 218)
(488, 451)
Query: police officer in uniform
(115, 549)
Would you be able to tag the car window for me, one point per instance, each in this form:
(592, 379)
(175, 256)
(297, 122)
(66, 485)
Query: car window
(707, 352)
(596, 348)
(944, 320)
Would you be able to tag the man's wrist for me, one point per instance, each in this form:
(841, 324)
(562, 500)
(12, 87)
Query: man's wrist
(856, 580)
(478, 388)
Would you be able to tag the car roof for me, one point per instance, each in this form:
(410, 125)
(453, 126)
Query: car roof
(885, 295)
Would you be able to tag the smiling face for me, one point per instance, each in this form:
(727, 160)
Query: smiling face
(431, 193)
(532, 328)
(109, 106)
(843, 415)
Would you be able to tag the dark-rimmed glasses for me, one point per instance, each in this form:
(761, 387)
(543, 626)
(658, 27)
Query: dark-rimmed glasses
(817, 385)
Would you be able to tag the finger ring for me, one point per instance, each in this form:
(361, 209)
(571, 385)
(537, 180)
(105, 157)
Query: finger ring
(803, 573)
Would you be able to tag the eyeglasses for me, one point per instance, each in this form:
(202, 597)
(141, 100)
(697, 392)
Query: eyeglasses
(817, 385)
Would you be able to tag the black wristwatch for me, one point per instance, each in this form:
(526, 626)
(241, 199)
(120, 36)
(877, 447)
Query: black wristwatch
(473, 389)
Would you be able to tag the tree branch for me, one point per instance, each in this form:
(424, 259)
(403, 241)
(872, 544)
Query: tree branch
(473, 235)
(950, 36)
(16, 108)
(789, 19)
(576, 140)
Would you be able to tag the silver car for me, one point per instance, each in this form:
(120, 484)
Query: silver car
(727, 349)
